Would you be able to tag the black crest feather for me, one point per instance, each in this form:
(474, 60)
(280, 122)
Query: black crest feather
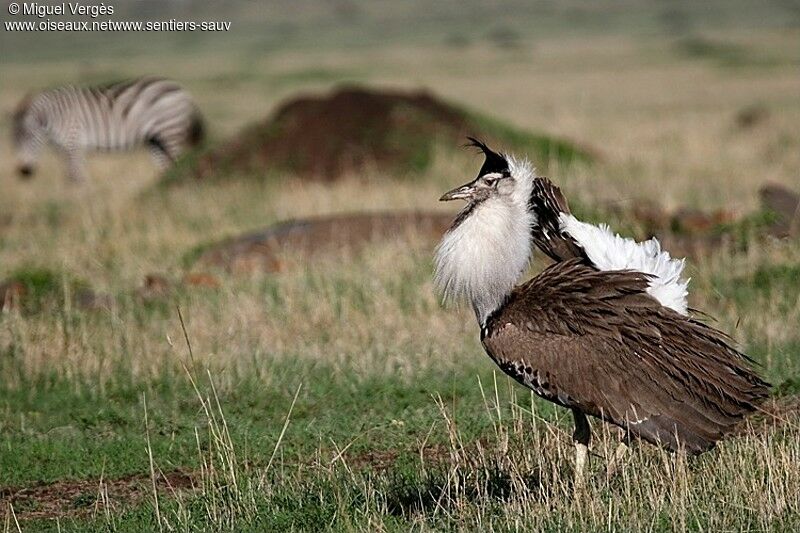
(494, 162)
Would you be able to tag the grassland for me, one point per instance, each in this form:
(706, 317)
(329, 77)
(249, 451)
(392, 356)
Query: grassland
(339, 395)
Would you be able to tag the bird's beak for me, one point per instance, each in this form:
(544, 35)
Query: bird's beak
(464, 192)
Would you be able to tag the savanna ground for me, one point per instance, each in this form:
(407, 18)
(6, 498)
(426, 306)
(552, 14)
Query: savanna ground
(339, 395)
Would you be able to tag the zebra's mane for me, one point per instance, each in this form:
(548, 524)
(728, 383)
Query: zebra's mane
(20, 112)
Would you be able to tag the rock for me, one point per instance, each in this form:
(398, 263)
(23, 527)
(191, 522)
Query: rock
(785, 204)
(267, 250)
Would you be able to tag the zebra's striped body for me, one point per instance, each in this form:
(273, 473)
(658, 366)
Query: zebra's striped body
(153, 112)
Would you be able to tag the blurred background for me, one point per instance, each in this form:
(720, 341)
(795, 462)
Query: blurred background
(672, 118)
(629, 79)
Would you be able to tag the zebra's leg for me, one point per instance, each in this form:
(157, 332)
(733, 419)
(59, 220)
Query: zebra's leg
(76, 165)
(164, 153)
(160, 158)
(174, 147)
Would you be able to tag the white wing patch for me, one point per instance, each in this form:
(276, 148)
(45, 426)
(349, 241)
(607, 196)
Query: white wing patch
(613, 252)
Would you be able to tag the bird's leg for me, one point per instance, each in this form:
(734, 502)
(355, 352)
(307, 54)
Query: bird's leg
(582, 437)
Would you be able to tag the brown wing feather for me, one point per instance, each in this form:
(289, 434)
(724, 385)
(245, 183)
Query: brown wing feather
(598, 342)
(547, 202)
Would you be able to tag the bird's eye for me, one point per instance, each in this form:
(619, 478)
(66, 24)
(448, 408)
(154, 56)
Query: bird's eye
(491, 180)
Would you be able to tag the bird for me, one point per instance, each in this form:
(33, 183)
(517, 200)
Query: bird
(604, 331)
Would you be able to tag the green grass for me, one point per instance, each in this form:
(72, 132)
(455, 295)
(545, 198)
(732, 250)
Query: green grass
(365, 443)
(360, 450)
(775, 284)
(59, 428)
(314, 76)
(357, 445)
(69, 430)
(723, 54)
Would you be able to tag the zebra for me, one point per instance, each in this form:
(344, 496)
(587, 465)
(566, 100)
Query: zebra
(150, 111)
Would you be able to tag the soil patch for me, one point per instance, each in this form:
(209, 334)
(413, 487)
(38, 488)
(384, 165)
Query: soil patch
(90, 496)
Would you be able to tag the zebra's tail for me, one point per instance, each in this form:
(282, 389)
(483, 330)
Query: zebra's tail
(197, 129)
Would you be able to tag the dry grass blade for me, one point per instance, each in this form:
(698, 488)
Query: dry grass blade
(283, 431)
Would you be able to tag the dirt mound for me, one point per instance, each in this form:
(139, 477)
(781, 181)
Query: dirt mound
(324, 137)
(267, 250)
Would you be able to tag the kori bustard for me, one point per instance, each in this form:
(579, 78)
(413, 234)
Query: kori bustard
(604, 331)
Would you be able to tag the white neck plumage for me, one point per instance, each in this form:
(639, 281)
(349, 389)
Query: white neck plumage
(481, 258)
